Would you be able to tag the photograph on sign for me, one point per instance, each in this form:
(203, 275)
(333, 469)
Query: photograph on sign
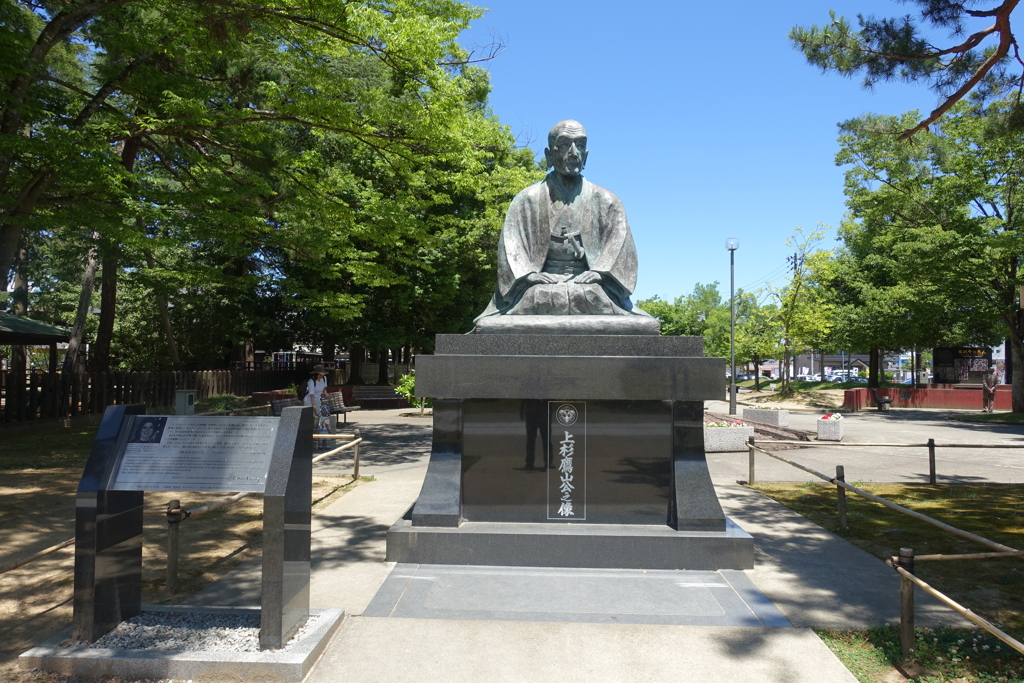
(177, 453)
(150, 431)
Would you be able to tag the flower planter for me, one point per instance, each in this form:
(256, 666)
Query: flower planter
(829, 430)
(776, 418)
(726, 439)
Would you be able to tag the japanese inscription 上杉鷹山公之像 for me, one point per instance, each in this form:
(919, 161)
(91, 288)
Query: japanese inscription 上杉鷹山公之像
(567, 476)
(566, 450)
(197, 454)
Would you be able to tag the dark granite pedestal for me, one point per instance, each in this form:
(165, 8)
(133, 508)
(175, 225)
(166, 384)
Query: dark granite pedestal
(569, 451)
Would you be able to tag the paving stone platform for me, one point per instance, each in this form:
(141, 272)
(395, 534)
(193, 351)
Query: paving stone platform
(597, 596)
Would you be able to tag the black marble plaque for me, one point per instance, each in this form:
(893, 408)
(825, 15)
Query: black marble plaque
(506, 459)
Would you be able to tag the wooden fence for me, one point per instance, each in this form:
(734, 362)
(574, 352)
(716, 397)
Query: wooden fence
(35, 396)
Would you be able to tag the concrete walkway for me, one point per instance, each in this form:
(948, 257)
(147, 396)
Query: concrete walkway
(814, 578)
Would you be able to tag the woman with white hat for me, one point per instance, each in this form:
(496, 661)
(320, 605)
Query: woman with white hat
(316, 388)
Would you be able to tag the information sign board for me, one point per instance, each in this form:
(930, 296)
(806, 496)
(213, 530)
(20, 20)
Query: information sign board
(178, 453)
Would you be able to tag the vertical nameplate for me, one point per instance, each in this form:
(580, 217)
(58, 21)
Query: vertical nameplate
(567, 458)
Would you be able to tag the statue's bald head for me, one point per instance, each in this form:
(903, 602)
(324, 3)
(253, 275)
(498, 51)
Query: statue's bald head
(569, 126)
(567, 148)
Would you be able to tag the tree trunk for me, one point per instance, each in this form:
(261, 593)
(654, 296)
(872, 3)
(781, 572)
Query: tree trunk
(329, 353)
(165, 318)
(382, 368)
(1017, 358)
(1008, 363)
(243, 352)
(108, 304)
(19, 306)
(356, 353)
(396, 353)
(757, 373)
(873, 367)
(12, 229)
(101, 360)
(82, 314)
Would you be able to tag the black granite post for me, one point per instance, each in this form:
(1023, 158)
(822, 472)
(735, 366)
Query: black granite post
(108, 538)
(695, 501)
(440, 498)
(287, 515)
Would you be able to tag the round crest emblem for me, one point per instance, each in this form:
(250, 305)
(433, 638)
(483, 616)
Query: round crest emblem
(566, 414)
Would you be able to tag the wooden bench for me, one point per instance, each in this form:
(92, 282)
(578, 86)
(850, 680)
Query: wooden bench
(881, 401)
(336, 402)
(378, 396)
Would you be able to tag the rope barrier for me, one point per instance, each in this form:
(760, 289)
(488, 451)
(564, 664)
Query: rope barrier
(40, 554)
(836, 444)
(957, 607)
(899, 508)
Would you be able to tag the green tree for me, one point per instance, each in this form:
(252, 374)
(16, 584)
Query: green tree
(690, 315)
(804, 314)
(886, 49)
(246, 167)
(932, 235)
(705, 313)
(758, 335)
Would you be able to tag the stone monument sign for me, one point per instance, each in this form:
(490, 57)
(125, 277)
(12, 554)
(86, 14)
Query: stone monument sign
(134, 452)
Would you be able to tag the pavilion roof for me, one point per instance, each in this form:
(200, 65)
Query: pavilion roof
(17, 329)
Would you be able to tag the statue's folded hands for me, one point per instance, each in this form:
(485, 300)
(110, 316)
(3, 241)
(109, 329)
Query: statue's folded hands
(587, 278)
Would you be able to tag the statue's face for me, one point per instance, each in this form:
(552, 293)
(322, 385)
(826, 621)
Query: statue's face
(569, 155)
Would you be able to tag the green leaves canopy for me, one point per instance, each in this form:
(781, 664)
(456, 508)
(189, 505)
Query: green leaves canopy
(281, 162)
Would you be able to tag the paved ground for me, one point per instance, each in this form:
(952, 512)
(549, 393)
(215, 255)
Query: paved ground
(881, 464)
(812, 577)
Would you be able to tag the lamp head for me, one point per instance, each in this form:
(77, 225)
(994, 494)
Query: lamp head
(732, 244)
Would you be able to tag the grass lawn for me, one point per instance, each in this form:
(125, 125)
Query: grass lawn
(993, 588)
(35, 448)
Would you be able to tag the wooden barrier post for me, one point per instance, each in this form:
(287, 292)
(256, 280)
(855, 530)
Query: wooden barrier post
(355, 456)
(174, 518)
(841, 496)
(750, 461)
(931, 461)
(906, 560)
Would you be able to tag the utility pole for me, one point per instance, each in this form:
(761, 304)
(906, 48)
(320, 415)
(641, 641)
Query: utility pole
(732, 244)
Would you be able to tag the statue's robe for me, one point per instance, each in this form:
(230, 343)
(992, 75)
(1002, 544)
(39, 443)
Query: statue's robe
(587, 210)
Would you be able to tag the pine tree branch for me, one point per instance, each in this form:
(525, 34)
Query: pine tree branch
(1006, 40)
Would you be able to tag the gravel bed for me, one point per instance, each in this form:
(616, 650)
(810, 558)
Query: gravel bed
(192, 632)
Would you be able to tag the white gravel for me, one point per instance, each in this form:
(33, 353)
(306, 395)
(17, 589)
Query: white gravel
(193, 632)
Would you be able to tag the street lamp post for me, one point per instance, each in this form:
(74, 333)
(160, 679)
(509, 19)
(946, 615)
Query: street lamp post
(732, 244)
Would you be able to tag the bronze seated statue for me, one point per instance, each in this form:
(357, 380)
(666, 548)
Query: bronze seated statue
(566, 258)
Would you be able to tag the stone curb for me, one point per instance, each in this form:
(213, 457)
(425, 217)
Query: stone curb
(271, 666)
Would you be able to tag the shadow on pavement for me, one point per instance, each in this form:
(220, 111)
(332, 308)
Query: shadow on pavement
(816, 578)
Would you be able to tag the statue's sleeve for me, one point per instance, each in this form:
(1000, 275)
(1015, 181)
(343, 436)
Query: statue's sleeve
(520, 249)
(617, 256)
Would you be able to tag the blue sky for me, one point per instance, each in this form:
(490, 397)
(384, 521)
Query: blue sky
(701, 117)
